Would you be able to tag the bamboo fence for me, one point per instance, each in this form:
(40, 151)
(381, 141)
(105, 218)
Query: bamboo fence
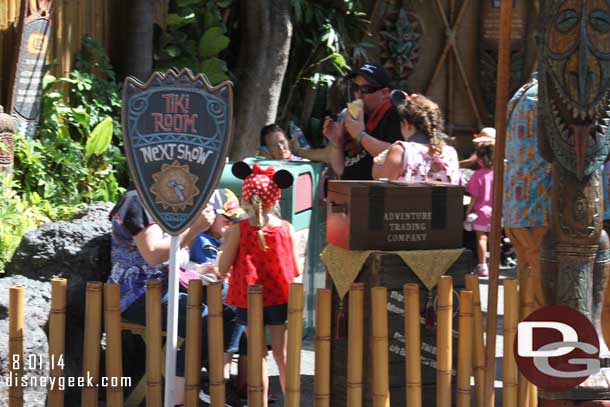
(378, 376)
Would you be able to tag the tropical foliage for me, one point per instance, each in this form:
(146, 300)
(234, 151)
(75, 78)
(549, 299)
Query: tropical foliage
(328, 39)
(75, 157)
(195, 37)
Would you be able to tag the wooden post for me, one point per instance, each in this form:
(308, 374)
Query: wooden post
(154, 353)
(444, 335)
(215, 345)
(256, 343)
(112, 322)
(15, 345)
(528, 393)
(478, 343)
(355, 344)
(465, 341)
(413, 345)
(379, 333)
(57, 339)
(295, 335)
(91, 342)
(503, 80)
(192, 359)
(509, 368)
(322, 348)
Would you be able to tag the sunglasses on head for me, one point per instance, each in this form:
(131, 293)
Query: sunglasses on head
(365, 89)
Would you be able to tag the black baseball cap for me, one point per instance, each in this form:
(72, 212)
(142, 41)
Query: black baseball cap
(374, 74)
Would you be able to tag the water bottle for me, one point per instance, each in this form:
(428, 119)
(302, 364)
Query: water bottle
(296, 133)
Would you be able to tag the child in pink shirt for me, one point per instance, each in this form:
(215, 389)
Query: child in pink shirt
(481, 187)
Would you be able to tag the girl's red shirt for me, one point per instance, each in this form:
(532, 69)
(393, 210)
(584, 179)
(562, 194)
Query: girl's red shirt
(274, 269)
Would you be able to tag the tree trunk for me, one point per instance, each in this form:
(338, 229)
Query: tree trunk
(264, 51)
(139, 59)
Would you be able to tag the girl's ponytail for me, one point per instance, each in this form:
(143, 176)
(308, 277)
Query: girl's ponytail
(257, 206)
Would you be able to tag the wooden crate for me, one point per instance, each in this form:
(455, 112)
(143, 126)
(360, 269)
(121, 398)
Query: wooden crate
(374, 215)
(388, 270)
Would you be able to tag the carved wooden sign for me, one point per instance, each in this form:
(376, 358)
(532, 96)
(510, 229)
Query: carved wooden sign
(177, 132)
(490, 24)
(26, 86)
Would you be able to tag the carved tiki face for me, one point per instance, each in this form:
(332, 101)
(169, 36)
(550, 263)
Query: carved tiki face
(575, 83)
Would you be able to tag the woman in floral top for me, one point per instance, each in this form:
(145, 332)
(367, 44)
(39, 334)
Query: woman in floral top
(423, 156)
(140, 250)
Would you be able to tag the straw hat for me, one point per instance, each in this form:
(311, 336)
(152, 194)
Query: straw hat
(486, 135)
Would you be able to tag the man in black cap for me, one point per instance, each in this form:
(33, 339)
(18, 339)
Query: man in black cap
(369, 134)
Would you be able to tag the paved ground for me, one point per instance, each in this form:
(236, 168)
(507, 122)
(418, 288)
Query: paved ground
(308, 357)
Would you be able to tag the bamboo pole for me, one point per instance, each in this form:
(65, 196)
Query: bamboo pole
(379, 333)
(295, 335)
(321, 384)
(215, 347)
(57, 339)
(509, 368)
(528, 393)
(192, 368)
(57, 36)
(256, 343)
(413, 345)
(606, 316)
(112, 321)
(68, 39)
(154, 352)
(15, 345)
(81, 9)
(91, 342)
(355, 344)
(443, 341)
(478, 344)
(450, 74)
(465, 341)
(502, 82)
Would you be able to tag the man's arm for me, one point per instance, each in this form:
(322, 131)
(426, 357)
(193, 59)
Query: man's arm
(373, 145)
(155, 249)
(313, 154)
(355, 128)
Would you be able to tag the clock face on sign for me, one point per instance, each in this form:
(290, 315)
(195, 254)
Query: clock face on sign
(175, 187)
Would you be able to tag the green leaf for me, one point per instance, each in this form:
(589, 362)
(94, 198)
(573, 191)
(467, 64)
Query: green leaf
(175, 21)
(215, 69)
(223, 3)
(212, 17)
(212, 42)
(100, 138)
(172, 51)
(47, 80)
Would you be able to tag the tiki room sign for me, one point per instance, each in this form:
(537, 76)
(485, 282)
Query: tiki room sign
(26, 85)
(177, 132)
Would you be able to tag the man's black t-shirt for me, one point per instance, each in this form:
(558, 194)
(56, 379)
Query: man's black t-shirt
(360, 167)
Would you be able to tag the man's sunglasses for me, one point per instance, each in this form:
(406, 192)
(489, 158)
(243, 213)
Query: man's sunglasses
(365, 89)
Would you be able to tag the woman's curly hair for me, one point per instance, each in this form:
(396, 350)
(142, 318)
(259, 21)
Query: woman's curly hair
(427, 118)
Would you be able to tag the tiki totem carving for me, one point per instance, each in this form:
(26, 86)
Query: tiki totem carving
(7, 130)
(574, 114)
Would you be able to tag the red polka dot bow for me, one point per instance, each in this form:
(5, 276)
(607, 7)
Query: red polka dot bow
(260, 182)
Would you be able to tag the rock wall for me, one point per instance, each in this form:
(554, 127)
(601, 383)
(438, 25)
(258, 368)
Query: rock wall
(78, 251)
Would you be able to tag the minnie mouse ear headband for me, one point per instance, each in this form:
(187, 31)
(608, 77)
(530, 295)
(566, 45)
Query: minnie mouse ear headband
(398, 97)
(266, 183)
